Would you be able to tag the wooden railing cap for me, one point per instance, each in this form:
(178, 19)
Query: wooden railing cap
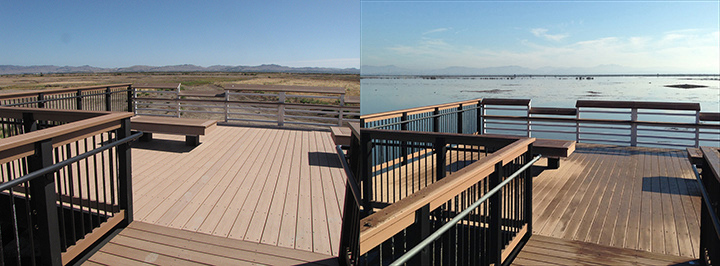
(639, 105)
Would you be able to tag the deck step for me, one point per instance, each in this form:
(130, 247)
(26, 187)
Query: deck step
(544, 250)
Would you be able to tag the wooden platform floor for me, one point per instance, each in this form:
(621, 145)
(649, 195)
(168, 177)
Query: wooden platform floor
(634, 198)
(276, 187)
(147, 244)
(543, 250)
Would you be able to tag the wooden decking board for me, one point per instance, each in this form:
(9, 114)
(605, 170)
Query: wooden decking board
(321, 242)
(279, 193)
(556, 205)
(566, 211)
(636, 198)
(252, 183)
(548, 250)
(202, 192)
(303, 231)
(243, 203)
(259, 220)
(143, 255)
(212, 203)
(103, 258)
(286, 234)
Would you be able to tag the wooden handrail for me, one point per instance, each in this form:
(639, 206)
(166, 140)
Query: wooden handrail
(387, 222)
(43, 114)
(411, 111)
(15, 95)
(639, 105)
(24, 145)
(502, 101)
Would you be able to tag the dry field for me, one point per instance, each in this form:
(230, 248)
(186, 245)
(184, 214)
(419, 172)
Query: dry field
(200, 81)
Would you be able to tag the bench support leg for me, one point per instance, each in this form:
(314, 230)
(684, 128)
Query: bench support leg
(553, 163)
(146, 137)
(192, 140)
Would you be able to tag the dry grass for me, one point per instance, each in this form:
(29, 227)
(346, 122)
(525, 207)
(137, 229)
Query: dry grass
(191, 80)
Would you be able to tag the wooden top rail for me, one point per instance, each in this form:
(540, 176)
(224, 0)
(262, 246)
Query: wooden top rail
(707, 116)
(553, 111)
(283, 88)
(497, 101)
(14, 95)
(639, 105)
(387, 222)
(49, 114)
(24, 145)
(156, 85)
(421, 136)
(416, 110)
(270, 104)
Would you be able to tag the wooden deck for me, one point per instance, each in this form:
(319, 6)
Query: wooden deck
(277, 187)
(543, 250)
(633, 198)
(147, 244)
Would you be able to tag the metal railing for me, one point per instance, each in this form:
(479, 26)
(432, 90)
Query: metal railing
(64, 186)
(654, 124)
(435, 235)
(111, 97)
(249, 103)
(406, 195)
(709, 184)
(350, 233)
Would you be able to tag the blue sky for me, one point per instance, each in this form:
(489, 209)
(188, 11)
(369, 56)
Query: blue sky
(682, 37)
(315, 33)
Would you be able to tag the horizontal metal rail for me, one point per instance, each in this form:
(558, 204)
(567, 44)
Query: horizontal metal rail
(414, 251)
(57, 166)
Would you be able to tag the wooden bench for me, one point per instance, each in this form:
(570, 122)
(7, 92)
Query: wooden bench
(191, 128)
(341, 135)
(553, 149)
(695, 156)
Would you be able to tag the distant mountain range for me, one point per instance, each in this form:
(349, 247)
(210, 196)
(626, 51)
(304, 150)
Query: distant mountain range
(13, 69)
(367, 70)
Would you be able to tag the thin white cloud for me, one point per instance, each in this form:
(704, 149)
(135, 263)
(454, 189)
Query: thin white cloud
(436, 30)
(696, 52)
(542, 33)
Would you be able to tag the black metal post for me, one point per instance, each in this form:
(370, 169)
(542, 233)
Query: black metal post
(479, 122)
(422, 231)
(403, 144)
(440, 150)
(108, 99)
(460, 119)
(436, 120)
(41, 100)
(29, 123)
(365, 172)
(44, 207)
(125, 172)
(495, 211)
(78, 100)
(130, 105)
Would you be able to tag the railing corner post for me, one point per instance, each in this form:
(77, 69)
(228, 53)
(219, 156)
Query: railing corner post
(460, 119)
(130, 100)
(78, 100)
(125, 172)
(44, 207)
(41, 100)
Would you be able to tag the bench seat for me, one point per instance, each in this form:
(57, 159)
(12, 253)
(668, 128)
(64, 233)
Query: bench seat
(695, 156)
(341, 135)
(554, 149)
(191, 128)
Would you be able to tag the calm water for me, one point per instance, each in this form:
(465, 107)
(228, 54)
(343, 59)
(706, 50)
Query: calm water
(393, 93)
